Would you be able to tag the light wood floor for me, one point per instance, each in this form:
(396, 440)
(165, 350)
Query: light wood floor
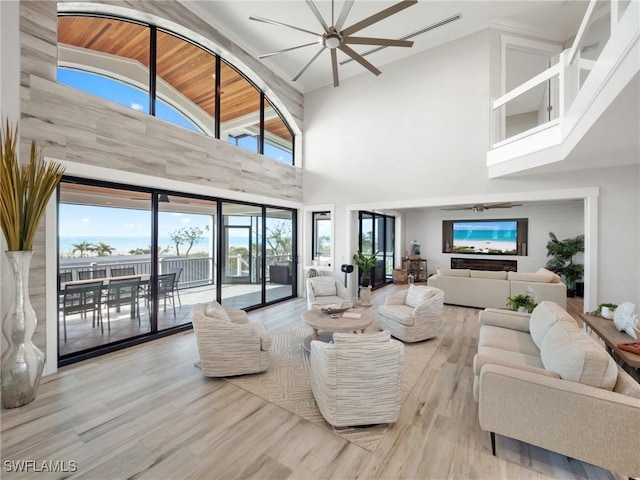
(147, 413)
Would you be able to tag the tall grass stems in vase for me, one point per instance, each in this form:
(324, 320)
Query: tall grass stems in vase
(25, 191)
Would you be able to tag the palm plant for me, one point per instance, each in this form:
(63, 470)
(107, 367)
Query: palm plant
(562, 253)
(365, 264)
(81, 247)
(24, 190)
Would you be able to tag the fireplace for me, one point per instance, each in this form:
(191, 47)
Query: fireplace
(496, 264)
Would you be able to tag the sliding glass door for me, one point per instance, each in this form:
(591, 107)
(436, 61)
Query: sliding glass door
(132, 262)
(377, 235)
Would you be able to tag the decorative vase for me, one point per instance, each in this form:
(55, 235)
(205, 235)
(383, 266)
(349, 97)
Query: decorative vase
(365, 296)
(22, 361)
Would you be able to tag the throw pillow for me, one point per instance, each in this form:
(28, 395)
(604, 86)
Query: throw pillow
(543, 317)
(357, 338)
(324, 286)
(217, 311)
(417, 295)
(555, 278)
(574, 355)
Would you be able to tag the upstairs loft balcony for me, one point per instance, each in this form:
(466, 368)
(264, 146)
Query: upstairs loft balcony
(592, 88)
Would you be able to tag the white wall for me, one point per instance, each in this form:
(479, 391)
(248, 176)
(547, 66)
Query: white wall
(418, 135)
(564, 219)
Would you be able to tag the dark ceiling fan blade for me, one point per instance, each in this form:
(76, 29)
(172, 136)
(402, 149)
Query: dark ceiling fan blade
(273, 22)
(458, 208)
(307, 65)
(266, 55)
(334, 67)
(487, 207)
(359, 59)
(346, 8)
(387, 42)
(376, 17)
(315, 11)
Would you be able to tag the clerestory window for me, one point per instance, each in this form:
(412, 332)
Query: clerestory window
(153, 71)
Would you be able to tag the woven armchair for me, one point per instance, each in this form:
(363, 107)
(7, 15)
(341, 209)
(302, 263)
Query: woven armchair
(414, 314)
(326, 290)
(228, 343)
(357, 380)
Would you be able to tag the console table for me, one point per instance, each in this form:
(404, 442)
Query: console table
(606, 330)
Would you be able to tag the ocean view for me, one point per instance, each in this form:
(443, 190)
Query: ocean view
(123, 245)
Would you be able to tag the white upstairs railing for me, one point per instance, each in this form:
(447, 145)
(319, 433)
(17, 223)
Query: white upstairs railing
(561, 84)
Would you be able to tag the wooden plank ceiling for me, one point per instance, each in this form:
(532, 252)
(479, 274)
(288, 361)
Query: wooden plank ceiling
(186, 67)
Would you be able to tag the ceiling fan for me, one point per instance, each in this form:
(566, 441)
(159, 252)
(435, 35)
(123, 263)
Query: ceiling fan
(481, 207)
(335, 37)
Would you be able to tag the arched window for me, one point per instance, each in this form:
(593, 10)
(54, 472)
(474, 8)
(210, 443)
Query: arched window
(162, 74)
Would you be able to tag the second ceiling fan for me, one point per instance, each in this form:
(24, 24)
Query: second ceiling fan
(335, 37)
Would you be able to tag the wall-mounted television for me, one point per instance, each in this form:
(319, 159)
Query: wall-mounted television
(485, 237)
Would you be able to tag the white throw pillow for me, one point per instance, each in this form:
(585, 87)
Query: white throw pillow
(574, 355)
(324, 286)
(217, 311)
(417, 295)
(543, 317)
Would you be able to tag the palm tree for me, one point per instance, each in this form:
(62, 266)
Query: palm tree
(103, 249)
(81, 247)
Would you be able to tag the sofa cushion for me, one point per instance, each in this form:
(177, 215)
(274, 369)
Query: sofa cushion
(530, 277)
(574, 355)
(359, 338)
(488, 274)
(498, 356)
(543, 317)
(454, 272)
(402, 314)
(324, 286)
(217, 311)
(507, 339)
(417, 295)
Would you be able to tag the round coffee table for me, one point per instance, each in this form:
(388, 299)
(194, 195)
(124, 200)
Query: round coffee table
(321, 321)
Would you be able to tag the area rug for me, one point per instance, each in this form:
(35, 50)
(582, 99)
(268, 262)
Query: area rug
(286, 383)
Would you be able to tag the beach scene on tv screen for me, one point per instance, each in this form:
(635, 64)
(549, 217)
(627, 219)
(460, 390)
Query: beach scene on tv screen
(487, 237)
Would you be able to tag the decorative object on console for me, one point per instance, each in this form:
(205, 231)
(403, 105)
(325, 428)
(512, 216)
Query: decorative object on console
(562, 253)
(625, 320)
(25, 191)
(605, 310)
(415, 248)
(416, 267)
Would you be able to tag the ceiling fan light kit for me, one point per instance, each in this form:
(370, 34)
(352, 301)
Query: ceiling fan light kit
(335, 37)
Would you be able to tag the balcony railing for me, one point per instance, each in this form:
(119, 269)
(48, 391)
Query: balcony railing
(561, 83)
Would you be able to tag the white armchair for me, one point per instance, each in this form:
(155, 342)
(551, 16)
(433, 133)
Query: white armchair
(413, 314)
(357, 380)
(228, 343)
(327, 290)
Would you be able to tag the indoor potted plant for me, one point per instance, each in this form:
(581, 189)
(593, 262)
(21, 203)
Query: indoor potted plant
(365, 264)
(521, 303)
(25, 191)
(561, 262)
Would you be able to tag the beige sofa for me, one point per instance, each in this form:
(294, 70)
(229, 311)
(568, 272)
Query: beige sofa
(487, 289)
(540, 379)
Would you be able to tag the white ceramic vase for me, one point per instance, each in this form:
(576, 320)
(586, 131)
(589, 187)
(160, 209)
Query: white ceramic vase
(22, 361)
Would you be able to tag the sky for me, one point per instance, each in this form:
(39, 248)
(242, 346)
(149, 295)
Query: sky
(89, 221)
